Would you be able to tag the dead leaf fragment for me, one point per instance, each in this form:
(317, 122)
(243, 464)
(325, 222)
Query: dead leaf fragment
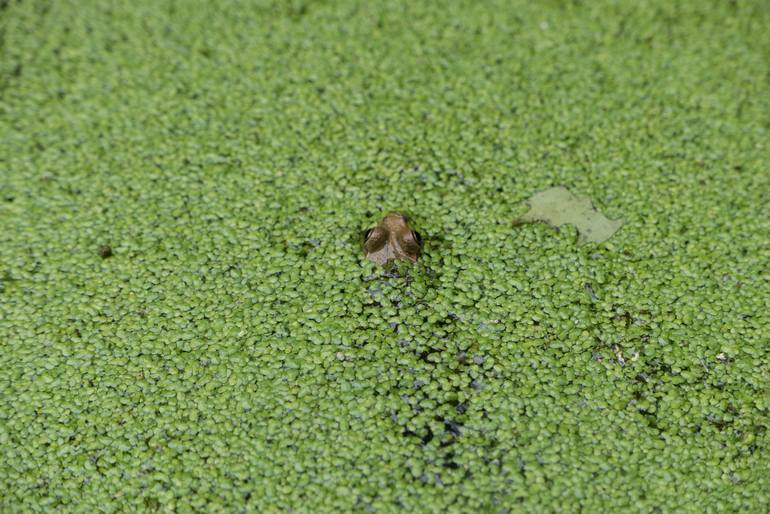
(557, 207)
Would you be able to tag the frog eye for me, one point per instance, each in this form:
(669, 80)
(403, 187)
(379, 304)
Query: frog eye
(367, 233)
(417, 237)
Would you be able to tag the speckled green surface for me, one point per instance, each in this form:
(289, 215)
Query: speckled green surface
(237, 353)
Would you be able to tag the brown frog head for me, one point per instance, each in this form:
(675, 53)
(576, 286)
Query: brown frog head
(392, 239)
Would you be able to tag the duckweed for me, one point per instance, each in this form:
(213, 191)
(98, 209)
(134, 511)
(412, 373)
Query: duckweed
(237, 353)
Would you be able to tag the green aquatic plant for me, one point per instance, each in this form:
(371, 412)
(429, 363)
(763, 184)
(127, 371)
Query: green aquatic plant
(188, 322)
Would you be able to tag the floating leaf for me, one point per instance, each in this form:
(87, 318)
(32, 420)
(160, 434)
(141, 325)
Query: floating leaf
(557, 207)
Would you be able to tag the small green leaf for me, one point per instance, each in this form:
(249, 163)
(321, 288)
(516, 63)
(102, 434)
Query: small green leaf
(557, 207)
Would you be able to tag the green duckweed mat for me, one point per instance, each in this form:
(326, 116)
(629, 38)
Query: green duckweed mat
(188, 323)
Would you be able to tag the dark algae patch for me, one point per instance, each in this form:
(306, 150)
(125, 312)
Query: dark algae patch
(105, 251)
(239, 353)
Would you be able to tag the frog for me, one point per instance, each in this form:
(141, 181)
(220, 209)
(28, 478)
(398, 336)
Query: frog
(392, 239)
